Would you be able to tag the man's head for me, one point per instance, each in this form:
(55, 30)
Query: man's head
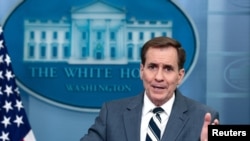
(162, 68)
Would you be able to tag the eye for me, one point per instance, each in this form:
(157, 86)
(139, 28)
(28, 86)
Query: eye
(168, 68)
(151, 66)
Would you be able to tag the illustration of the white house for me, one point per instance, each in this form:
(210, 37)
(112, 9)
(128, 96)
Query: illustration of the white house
(97, 33)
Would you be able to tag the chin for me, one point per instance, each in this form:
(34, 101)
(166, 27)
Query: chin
(158, 98)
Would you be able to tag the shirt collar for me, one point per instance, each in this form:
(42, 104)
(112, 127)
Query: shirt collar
(148, 106)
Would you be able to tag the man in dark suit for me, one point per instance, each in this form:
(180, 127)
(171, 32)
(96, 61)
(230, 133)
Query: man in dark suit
(180, 118)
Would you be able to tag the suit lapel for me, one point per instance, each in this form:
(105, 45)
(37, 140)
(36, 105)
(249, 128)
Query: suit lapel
(132, 118)
(177, 119)
(176, 122)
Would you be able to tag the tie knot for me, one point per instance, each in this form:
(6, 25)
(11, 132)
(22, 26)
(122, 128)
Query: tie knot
(157, 110)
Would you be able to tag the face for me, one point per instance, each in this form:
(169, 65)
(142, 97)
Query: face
(160, 74)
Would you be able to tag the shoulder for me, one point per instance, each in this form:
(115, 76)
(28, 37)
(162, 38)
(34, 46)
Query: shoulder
(192, 104)
(124, 103)
(198, 109)
(198, 105)
(124, 100)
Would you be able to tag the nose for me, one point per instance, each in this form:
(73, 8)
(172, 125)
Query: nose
(159, 75)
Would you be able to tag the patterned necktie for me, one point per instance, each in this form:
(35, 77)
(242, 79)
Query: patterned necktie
(154, 132)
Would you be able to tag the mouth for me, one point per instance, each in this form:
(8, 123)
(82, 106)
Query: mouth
(158, 87)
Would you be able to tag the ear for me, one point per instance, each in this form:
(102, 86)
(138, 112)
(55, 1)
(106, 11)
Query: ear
(141, 70)
(181, 75)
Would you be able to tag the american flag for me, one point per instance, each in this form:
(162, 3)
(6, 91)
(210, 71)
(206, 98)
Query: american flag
(14, 124)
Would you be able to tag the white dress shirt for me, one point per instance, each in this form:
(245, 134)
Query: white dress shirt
(147, 113)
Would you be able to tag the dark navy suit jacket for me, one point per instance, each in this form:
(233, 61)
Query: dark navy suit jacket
(120, 120)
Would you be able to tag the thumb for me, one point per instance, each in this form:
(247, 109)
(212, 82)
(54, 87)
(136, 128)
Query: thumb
(207, 119)
(204, 131)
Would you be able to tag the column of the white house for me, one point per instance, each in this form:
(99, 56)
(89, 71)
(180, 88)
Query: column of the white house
(60, 42)
(91, 47)
(120, 45)
(124, 39)
(26, 44)
(37, 44)
(48, 42)
(136, 46)
(136, 36)
(107, 41)
(74, 41)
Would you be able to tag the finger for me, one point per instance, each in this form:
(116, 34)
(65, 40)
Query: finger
(215, 122)
(204, 132)
(207, 119)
